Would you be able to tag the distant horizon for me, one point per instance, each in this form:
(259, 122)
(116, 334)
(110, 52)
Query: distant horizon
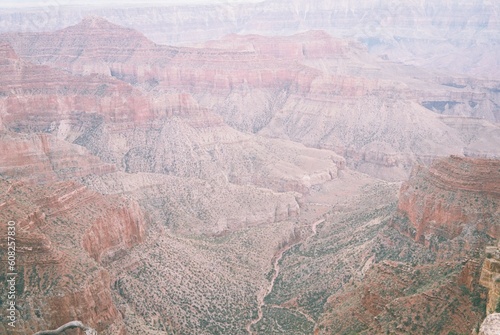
(97, 3)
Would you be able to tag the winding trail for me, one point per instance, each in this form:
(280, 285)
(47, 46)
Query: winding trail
(66, 326)
(264, 292)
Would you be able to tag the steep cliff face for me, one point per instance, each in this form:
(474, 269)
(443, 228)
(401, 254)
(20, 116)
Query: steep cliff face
(63, 231)
(116, 231)
(92, 302)
(451, 210)
(453, 195)
(34, 96)
(490, 278)
(310, 87)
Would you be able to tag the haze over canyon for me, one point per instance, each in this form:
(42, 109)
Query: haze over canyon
(274, 167)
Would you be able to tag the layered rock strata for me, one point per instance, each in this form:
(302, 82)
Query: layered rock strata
(450, 197)
(490, 278)
(64, 233)
(310, 87)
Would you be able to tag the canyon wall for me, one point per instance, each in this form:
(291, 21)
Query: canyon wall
(63, 232)
(490, 278)
(451, 196)
(424, 274)
(227, 146)
(457, 36)
(311, 88)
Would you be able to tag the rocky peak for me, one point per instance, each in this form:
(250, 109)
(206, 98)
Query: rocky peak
(93, 21)
(94, 31)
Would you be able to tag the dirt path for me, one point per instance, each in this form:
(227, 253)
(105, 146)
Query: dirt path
(314, 227)
(263, 293)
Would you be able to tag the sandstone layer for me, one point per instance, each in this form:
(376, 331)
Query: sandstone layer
(310, 88)
(450, 197)
(62, 234)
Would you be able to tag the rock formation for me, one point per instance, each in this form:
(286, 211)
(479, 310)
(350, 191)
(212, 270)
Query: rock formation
(491, 325)
(490, 278)
(156, 188)
(326, 93)
(43, 158)
(450, 197)
(59, 277)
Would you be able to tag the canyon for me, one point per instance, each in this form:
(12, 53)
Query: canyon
(282, 173)
(327, 94)
(446, 36)
(384, 278)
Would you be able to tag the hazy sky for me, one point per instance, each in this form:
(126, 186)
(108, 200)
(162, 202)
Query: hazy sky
(30, 3)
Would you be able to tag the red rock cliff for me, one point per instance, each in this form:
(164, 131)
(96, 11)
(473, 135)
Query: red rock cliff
(62, 228)
(450, 195)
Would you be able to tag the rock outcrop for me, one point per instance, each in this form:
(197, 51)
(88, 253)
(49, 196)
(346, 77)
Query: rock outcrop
(451, 196)
(64, 232)
(490, 325)
(490, 278)
(69, 325)
(44, 158)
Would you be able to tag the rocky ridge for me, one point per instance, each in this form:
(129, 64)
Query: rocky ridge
(444, 200)
(455, 36)
(332, 94)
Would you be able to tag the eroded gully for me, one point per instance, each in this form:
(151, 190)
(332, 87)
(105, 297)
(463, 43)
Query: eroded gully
(264, 292)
